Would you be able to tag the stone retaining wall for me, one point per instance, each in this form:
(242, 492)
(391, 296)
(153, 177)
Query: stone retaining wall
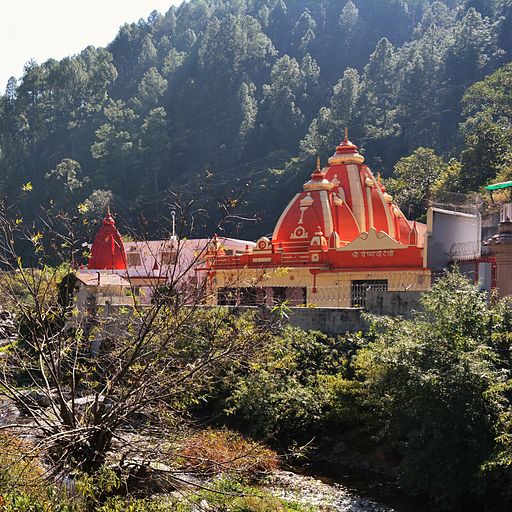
(334, 321)
(328, 320)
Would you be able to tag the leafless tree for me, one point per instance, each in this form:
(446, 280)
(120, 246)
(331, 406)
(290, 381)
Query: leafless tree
(86, 406)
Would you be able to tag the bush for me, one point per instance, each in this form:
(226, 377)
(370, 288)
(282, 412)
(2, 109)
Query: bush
(221, 451)
(435, 392)
(281, 395)
(427, 382)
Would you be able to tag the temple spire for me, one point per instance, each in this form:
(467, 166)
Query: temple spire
(346, 153)
(318, 163)
(107, 251)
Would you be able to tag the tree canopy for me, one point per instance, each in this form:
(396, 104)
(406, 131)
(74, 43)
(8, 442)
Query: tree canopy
(244, 88)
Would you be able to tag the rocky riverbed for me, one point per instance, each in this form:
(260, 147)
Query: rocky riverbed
(323, 496)
(344, 493)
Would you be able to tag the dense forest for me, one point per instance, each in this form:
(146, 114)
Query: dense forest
(239, 96)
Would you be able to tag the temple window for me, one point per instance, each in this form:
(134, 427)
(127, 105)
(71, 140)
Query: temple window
(292, 295)
(134, 259)
(248, 297)
(359, 289)
(168, 257)
(227, 297)
(279, 294)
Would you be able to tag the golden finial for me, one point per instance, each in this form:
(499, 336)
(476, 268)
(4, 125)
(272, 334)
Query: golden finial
(346, 135)
(318, 163)
(379, 181)
(108, 209)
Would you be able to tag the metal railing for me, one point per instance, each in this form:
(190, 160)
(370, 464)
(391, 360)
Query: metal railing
(339, 295)
(359, 288)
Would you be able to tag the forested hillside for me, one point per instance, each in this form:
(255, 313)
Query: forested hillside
(220, 93)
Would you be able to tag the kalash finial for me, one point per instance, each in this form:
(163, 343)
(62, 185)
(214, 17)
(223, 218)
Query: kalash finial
(318, 180)
(108, 218)
(346, 153)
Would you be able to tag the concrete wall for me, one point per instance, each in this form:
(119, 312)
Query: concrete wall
(449, 231)
(328, 320)
(393, 303)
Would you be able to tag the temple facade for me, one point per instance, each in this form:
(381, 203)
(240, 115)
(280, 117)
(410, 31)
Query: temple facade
(338, 237)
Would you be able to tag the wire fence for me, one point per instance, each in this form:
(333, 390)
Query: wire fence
(464, 203)
(465, 251)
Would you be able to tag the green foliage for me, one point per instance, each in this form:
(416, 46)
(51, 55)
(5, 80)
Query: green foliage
(487, 130)
(23, 486)
(427, 379)
(433, 393)
(285, 393)
(415, 179)
(270, 83)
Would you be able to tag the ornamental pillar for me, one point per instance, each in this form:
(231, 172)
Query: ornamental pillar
(501, 246)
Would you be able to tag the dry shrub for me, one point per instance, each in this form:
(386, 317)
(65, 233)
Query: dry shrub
(223, 451)
(20, 469)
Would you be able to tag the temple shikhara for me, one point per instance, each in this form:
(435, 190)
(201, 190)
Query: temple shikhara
(339, 236)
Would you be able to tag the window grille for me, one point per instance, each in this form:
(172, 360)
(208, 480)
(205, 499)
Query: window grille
(227, 297)
(359, 289)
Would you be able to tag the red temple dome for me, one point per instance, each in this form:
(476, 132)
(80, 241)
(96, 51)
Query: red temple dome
(107, 251)
(342, 201)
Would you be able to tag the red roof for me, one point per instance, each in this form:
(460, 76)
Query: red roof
(345, 200)
(107, 251)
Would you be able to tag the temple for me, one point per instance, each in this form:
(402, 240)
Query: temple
(338, 237)
(341, 242)
(120, 273)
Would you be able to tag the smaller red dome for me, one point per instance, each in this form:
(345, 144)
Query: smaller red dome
(346, 153)
(318, 181)
(107, 252)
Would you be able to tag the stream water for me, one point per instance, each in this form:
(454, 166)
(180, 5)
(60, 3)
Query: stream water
(336, 490)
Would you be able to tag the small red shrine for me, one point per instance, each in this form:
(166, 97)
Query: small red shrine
(107, 252)
(337, 238)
